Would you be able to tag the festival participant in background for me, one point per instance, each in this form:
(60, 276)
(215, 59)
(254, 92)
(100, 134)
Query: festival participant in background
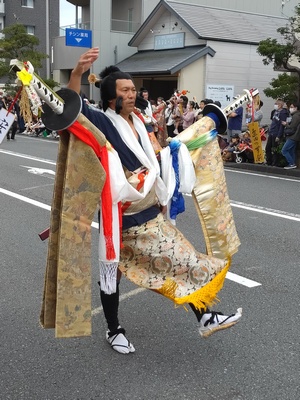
(159, 115)
(292, 136)
(180, 109)
(155, 255)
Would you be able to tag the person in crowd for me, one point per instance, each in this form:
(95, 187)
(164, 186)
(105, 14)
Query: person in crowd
(292, 135)
(13, 108)
(235, 121)
(228, 151)
(150, 121)
(182, 103)
(258, 114)
(170, 122)
(144, 218)
(275, 133)
(160, 127)
(188, 117)
(202, 104)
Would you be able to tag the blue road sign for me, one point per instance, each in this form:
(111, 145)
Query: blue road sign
(78, 37)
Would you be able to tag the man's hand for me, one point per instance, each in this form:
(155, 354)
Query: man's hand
(86, 60)
(84, 64)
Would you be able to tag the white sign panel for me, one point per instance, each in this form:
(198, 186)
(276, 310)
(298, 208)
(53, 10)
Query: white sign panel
(6, 121)
(222, 93)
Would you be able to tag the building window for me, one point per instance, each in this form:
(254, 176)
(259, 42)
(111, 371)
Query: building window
(30, 29)
(27, 3)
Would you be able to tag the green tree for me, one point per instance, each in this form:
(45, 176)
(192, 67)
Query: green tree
(285, 57)
(16, 43)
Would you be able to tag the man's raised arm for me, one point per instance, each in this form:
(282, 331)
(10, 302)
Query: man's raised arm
(84, 64)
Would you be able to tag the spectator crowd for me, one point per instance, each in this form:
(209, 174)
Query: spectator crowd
(165, 119)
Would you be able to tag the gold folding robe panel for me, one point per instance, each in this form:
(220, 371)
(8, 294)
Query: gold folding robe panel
(78, 184)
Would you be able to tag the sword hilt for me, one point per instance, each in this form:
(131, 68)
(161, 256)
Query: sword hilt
(60, 109)
(247, 97)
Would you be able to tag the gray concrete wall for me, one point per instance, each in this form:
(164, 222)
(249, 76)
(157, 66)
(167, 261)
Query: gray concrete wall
(37, 17)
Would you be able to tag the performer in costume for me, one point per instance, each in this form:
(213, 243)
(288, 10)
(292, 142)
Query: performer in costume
(155, 254)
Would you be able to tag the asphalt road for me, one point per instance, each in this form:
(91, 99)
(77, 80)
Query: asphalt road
(258, 359)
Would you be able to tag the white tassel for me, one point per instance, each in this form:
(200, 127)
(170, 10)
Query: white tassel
(108, 276)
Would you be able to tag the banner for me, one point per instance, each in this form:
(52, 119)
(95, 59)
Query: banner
(258, 153)
(6, 121)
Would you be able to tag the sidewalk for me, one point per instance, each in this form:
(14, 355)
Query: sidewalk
(266, 169)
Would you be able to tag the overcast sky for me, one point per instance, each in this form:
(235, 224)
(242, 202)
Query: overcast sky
(67, 13)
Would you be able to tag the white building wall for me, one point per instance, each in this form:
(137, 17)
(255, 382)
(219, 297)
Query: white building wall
(114, 45)
(239, 65)
(192, 78)
(165, 26)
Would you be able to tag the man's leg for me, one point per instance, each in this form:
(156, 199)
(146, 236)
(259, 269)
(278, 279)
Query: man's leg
(115, 334)
(229, 135)
(212, 321)
(14, 130)
(268, 149)
(288, 151)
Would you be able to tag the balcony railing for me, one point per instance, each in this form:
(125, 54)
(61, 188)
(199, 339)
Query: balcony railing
(124, 26)
(81, 25)
(116, 25)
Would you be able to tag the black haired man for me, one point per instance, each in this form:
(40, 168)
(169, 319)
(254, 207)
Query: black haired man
(155, 252)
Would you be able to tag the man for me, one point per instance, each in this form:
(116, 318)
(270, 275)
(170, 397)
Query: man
(258, 114)
(292, 134)
(154, 252)
(235, 121)
(275, 131)
(150, 121)
(14, 110)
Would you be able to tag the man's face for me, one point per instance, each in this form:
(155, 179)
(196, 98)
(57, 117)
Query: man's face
(125, 89)
(145, 95)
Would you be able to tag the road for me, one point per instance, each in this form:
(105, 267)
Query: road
(258, 359)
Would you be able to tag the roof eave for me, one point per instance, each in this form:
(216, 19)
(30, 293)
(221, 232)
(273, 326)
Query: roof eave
(228, 40)
(193, 58)
(144, 25)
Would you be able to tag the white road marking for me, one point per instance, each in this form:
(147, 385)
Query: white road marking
(241, 280)
(25, 199)
(37, 187)
(265, 210)
(262, 175)
(122, 297)
(38, 171)
(20, 155)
